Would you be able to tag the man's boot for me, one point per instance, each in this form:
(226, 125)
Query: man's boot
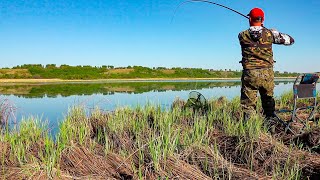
(268, 105)
(271, 119)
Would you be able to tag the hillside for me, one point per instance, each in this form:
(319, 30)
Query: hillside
(67, 72)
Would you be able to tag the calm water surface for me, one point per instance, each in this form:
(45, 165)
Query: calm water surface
(51, 101)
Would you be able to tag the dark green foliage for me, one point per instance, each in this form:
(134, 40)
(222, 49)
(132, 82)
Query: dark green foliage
(51, 71)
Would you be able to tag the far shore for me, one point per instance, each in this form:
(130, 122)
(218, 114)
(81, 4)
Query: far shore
(114, 80)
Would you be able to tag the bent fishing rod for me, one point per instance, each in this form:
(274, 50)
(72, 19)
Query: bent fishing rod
(209, 2)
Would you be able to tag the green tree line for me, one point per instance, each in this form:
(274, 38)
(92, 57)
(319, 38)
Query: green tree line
(50, 71)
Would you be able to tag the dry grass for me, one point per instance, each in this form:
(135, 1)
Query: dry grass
(20, 72)
(7, 112)
(180, 169)
(168, 71)
(266, 153)
(80, 162)
(216, 166)
(119, 71)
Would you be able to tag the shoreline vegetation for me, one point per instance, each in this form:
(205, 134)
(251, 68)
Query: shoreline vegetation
(115, 80)
(51, 72)
(152, 143)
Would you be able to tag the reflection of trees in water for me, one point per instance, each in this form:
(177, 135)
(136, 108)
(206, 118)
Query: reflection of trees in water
(65, 90)
(282, 82)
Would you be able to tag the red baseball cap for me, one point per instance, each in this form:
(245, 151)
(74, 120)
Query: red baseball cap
(256, 13)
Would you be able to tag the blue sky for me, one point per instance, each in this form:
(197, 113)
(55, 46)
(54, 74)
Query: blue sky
(128, 32)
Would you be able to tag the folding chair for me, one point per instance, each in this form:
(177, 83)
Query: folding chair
(304, 87)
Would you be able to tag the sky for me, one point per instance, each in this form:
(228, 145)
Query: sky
(146, 33)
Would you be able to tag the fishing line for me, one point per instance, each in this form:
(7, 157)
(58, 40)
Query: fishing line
(208, 2)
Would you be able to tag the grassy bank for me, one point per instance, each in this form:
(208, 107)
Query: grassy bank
(151, 143)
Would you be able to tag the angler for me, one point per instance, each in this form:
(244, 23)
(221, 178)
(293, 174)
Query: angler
(257, 62)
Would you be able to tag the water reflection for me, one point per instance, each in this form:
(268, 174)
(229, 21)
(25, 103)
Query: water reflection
(55, 90)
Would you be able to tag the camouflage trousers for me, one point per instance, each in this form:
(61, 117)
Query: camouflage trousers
(254, 81)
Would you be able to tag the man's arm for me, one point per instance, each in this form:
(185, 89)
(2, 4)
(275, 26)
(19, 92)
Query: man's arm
(281, 38)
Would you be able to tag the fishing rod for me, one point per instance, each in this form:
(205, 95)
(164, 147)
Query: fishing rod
(209, 2)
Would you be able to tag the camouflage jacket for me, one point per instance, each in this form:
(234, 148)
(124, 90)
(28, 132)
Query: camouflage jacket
(256, 45)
